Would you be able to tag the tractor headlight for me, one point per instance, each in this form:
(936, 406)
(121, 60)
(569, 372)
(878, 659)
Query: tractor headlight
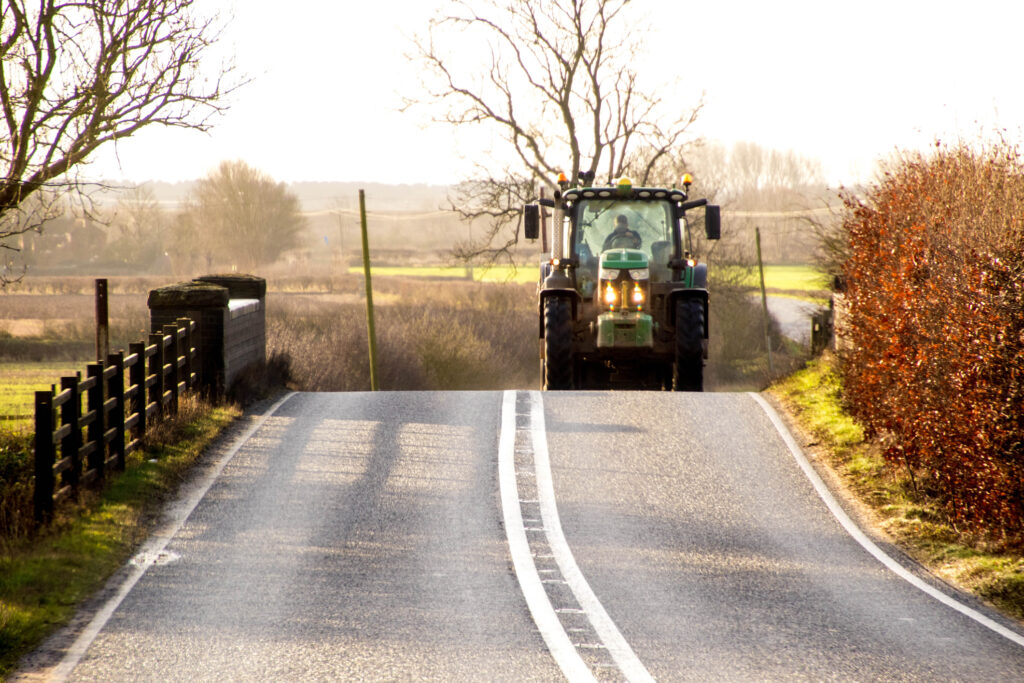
(610, 296)
(638, 296)
(608, 274)
(640, 273)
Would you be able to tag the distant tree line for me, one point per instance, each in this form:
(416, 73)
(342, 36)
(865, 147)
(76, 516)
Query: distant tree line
(237, 217)
(78, 75)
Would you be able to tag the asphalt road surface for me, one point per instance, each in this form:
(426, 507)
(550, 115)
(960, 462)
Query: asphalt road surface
(519, 536)
(793, 316)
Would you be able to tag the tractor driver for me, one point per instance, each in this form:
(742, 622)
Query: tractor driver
(622, 236)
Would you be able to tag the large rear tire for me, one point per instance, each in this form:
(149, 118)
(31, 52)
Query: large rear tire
(688, 369)
(558, 362)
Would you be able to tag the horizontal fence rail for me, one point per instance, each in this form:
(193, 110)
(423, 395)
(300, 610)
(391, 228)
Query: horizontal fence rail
(126, 394)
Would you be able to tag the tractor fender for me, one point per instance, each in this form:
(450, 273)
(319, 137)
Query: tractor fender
(690, 293)
(559, 291)
(700, 276)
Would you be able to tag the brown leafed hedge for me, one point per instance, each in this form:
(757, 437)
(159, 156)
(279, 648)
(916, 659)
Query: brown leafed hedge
(935, 289)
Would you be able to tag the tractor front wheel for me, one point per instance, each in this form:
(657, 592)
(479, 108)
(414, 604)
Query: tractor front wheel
(688, 369)
(558, 365)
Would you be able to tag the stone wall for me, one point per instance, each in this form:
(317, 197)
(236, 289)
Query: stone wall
(230, 311)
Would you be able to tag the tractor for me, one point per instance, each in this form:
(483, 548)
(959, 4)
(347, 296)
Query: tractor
(623, 301)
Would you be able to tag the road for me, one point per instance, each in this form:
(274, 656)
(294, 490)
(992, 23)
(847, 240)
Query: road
(519, 536)
(793, 316)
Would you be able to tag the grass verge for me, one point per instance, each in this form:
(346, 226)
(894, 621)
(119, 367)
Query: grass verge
(42, 580)
(813, 399)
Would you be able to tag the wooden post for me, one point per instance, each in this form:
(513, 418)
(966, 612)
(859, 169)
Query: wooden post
(186, 324)
(764, 303)
(175, 354)
(96, 397)
(156, 368)
(369, 293)
(102, 320)
(115, 390)
(70, 447)
(45, 454)
(137, 378)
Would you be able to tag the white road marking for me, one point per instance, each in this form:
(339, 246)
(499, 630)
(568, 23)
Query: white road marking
(154, 547)
(869, 545)
(621, 652)
(558, 642)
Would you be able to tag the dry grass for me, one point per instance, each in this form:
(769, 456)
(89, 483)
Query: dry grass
(430, 335)
(62, 327)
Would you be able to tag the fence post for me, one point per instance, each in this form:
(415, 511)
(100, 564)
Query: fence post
(115, 390)
(186, 323)
(137, 379)
(172, 376)
(96, 397)
(71, 446)
(102, 320)
(156, 368)
(45, 456)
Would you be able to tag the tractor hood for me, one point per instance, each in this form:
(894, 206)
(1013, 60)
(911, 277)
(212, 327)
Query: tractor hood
(623, 259)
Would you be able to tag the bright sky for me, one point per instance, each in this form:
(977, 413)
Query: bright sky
(847, 82)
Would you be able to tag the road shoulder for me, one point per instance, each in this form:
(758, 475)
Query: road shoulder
(916, 552)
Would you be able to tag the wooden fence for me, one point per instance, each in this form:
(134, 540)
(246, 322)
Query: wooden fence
(158, 372)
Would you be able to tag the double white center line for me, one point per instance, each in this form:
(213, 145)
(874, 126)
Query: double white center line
(528, 425)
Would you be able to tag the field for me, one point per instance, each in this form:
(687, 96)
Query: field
(794, 280)
(20, 381)
(789, 279)
(476, 274)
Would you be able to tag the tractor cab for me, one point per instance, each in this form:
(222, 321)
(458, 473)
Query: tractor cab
(603, 224)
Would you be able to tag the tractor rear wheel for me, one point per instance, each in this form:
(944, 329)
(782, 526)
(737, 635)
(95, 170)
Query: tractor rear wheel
(558, 363)
(688, 369)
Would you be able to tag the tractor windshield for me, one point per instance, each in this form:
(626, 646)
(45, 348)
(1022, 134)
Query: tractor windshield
(608, 223)
(604, 224)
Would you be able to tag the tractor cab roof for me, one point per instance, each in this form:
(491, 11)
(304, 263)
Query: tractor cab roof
(624, 192)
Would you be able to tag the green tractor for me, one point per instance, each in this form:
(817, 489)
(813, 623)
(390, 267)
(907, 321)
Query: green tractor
(623, 302)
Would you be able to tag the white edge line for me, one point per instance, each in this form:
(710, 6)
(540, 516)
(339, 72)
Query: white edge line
(557, 640)
(155, 544)
(869, 545)
(621, 652)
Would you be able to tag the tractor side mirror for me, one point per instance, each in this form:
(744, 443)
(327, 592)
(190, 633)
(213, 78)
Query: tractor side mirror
(713, 222)
(531, 221)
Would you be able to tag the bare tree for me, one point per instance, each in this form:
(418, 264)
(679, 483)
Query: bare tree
(558, 86)
(242, 216)
(137, 226)
(78, 74)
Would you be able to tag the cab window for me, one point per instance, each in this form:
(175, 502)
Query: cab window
(647, 223)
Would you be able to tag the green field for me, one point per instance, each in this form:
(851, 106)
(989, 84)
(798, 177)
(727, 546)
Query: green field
(793, 278)
(779, 278)
(18, 385)
(797, 280)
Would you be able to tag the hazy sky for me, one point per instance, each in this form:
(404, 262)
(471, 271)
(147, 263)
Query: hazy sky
(847, 82)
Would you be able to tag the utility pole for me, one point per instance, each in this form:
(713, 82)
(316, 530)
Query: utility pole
(369, 294)
(764, 303)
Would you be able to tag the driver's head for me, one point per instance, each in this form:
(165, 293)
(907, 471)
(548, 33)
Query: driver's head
(621, 223)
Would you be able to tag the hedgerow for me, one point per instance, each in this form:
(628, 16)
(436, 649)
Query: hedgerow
(935, 329)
